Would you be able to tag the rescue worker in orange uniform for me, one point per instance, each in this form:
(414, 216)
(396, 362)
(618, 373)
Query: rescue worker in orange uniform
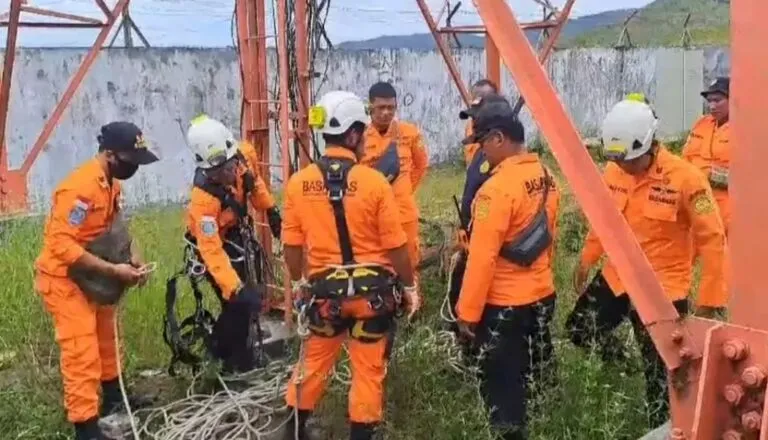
(85, 205)
(347, 217)
(396, 148)
(480, 89)
(708, 146)
(226, 183)
(507, 298)
(670, 207)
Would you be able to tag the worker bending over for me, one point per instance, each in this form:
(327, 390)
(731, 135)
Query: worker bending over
(85, 206)
(347, 217)
(708, 146)
(226, 185)
(480, 89)
(669, 206)
(396, 148)
(507, 299)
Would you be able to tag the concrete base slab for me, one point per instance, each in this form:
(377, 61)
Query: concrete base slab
(660, 433)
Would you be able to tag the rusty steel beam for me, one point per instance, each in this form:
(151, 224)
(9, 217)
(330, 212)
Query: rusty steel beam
(72, 87)
(302, 63)
(442, 46)
(5, 86)
(43, 24)
(62, 15)
(284, 121)
(646, 293)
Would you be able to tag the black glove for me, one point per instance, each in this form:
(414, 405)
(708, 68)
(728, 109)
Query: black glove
(250, 296)
(275, 222)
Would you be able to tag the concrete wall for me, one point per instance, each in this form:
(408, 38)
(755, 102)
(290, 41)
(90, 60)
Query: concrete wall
(162, 89)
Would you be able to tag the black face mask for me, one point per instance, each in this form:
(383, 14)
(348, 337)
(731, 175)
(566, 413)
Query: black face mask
(122, 170)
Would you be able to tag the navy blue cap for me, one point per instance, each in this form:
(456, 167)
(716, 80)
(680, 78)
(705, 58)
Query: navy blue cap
(127, 139)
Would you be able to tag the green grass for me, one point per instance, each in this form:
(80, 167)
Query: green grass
(424, 397)
(661, 24)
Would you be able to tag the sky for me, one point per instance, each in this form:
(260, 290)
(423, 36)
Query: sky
(207, 23)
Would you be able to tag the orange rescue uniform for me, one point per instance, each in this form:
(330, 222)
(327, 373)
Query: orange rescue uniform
(672, 212)
(471, 149)
(84, 206)
(372, 218)
(209, 222)
(503, 207)
(413, 168)
(708, 148)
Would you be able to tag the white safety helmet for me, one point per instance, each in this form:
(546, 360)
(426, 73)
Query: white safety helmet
(337, 111)
(628, 130)
(211, 142)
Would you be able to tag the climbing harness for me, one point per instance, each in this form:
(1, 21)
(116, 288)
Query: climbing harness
(192, 339)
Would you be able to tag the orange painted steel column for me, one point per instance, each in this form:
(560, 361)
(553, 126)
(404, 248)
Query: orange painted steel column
(72, 87)
(647, 295)
(302, 63)
(492, 61)
(453, 69)
(5, 83)
(282, 63)
(748, 240)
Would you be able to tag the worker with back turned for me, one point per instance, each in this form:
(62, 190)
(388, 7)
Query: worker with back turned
(357, 268)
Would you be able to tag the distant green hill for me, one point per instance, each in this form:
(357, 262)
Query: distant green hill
(661, 24)
(419, 42)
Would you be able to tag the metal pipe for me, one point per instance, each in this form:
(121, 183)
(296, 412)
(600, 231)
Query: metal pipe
(302, 63)
(453, 69)
(62, 15)
(282, 63)
(5, 83)
(72, 87)
(43, 24)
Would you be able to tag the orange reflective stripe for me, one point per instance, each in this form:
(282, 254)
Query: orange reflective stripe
(83, 207)
(370, 208)
(503, 207)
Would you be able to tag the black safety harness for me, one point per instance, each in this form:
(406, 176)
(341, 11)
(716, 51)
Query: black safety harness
(195, 331)
(333, 287)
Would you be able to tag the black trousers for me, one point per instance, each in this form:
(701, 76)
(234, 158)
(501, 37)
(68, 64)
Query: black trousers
(457, 278)
(595, 316)
(591, 323)
(514, 348)
(233, 341)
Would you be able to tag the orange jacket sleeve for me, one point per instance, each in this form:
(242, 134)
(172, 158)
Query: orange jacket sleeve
(204, 228)
(491, 214)
(62, 229)
(420, 160)
(292, 234)
(261, 198)
(390, 228)
(708, 240)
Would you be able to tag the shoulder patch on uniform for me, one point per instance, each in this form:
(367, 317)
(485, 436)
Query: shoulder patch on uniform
(484, 167)
(702, 203)
(208, 226)
(482, 207)
(78, 212)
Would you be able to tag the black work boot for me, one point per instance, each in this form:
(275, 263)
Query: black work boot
(89, 430)
(361, 431)
(112, 399)
(301, 421)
